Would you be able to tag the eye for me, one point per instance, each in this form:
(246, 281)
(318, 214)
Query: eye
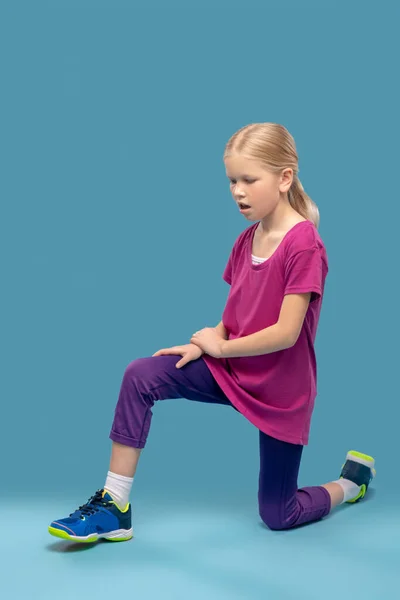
(233, 181)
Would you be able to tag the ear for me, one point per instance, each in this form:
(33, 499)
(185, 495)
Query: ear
(286, 180)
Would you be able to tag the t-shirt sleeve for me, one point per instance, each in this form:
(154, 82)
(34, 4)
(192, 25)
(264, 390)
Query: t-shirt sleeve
(229, 268)
(303, 273)
(236, 253)
(227, 274)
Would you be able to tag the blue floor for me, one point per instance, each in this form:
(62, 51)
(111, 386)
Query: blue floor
(192, 551)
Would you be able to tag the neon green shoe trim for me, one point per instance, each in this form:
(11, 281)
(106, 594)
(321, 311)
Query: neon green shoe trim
(123, 539)
(66, 536)
(94, 538)
(123, 510)
(360, 455)
(360, 495)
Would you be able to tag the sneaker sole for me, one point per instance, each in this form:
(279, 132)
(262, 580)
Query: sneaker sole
(119, 535)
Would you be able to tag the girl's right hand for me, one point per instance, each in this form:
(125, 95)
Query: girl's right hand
(188, 352)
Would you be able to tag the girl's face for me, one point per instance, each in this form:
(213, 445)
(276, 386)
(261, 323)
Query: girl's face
(253, 186)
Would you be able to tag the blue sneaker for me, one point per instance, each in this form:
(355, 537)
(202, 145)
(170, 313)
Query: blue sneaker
(99, 518)
(360, 469)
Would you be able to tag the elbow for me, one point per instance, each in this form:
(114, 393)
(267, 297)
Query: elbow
(292, 339)
(288, 344)
(289, 339)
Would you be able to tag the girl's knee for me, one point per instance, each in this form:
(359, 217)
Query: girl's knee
(136, 367)
(151, 363)
(274, 517)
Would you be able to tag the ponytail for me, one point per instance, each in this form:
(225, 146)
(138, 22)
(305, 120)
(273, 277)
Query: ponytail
(302, 203)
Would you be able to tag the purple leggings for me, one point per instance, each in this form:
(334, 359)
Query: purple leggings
(281, 504)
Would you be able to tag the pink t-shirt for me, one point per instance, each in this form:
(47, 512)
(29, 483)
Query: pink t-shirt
(276, 391)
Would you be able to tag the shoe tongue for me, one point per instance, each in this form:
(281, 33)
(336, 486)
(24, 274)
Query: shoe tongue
(107, 497)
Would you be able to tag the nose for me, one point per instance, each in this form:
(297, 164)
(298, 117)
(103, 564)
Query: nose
(238, 194)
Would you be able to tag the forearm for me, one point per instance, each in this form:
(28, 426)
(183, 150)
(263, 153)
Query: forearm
(266, 341)
(221, 330)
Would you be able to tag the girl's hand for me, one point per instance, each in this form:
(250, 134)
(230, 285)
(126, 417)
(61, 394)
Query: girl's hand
(187, 351)
(209, 340)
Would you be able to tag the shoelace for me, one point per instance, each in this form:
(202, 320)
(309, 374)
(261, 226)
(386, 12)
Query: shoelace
(92, 505)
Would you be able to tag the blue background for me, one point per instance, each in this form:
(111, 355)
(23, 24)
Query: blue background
(116, 225)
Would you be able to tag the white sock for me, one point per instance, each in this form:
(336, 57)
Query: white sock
(119, 487)
(350, 489)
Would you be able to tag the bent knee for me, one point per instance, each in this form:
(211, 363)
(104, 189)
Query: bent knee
(275, 519)
(150, 363)
(136, 367)
(150, 368)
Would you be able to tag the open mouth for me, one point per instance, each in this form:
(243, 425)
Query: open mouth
(243, 206)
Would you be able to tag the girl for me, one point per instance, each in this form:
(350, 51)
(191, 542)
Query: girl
(259, 359)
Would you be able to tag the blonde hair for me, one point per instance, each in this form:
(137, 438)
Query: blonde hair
(274, 147)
